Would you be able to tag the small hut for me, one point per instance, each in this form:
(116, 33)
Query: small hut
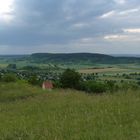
(47, 85)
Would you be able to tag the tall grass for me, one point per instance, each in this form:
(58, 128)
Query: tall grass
(15, 91)
(67, 115)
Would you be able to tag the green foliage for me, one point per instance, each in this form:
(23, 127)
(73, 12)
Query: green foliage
(70, 79)
(138, 82)
(111, 85)
(0, 77)
(9, 78)
(34, 80)
(30, 68)
(95, 87)
(57, 84)
(128, 85)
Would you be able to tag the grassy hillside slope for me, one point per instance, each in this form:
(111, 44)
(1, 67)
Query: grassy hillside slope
(33, 114)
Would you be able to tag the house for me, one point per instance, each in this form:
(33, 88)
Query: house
(47, 85)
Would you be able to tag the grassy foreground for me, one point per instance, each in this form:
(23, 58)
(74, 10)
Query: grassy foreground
(28, 113)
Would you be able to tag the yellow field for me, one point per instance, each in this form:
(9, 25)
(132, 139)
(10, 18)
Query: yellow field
(102, 70)
(3, 65)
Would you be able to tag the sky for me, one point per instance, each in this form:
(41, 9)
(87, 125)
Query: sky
(67, 26)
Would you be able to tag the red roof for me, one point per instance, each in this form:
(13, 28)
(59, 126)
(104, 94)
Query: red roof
(47, 85)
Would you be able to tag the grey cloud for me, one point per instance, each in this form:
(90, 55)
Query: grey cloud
(45, 22)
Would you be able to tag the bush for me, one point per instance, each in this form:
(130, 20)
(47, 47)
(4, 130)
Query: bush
(9, 78)
(138, 82)
(111, 86)
(33, 80)
(128, 85)
(0, 77)
(70, 79)
(57, 84)
(94, 87)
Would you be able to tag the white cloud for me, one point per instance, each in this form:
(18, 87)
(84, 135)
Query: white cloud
(123, 37)
(115, 37)
(108, 14)
(126, 12)
(117, 13)
(6, 8)
(132, 30)
(128, 35)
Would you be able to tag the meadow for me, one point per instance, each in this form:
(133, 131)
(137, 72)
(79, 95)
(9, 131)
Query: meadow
(29, 113)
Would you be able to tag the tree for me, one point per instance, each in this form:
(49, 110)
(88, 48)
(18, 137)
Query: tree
(70, 79)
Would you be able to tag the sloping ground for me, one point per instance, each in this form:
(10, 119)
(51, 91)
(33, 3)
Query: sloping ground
(16, 91)
(68, 115)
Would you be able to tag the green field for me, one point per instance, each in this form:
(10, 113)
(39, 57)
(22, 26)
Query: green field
(28, 113)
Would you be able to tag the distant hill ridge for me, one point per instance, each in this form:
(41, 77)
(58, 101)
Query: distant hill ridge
(80, 58)
(70, 55)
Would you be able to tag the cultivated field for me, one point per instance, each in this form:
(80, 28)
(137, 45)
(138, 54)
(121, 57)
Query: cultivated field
(102, 70)
(111, 69)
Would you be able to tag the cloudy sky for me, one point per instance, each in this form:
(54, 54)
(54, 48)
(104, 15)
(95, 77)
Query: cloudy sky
(98, 26)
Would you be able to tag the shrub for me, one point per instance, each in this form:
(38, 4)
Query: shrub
(70, 79)
(0, 77)
(128, 85)
(57, 84)
(111, 86)
(94, 87)
(9, 78)
(33, 80)
(138, 82)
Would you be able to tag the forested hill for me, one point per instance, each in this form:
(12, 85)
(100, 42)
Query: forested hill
(80, 58)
